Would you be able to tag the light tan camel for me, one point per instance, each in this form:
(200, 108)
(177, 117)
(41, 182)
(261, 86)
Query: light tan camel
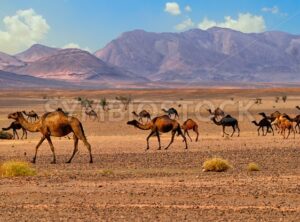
(54, 124)
(91, 114)
(190, 125)
(284, 123)
(217, 113)
(161, 124)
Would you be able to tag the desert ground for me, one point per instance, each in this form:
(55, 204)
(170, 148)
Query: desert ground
(127, 183)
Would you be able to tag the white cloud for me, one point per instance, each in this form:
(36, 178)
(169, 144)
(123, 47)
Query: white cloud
(188, 8)
(274, 10)
(72, 45)
(245, 23)
(22, 30)
(188, 23)
(172, 8)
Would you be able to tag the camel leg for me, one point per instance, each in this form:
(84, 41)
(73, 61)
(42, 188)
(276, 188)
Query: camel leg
(258, 130)
(52, 149)
(16, 133)
(75, 148)
(80, 135)
(37, 147)
(233, 130)
(152, 132)
(172, 139)
(14, 136)
(272, 130)
(158, 138)
(289, 132)
(187, 133)
(195, 129)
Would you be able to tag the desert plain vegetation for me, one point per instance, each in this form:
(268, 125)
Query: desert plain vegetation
(127, 183)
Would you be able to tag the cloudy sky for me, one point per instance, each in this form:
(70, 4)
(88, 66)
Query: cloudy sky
(91, 24)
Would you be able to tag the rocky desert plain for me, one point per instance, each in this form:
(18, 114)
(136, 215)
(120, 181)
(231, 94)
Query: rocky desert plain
(127, 183)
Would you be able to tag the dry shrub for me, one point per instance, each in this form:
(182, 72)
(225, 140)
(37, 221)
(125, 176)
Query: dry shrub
(106, 172)
(16, 168)
(216, 164)
(253, 167)
(5, 135)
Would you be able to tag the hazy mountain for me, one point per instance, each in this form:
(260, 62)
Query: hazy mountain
(12, 80)
(7, 60)
(36, 52)
(74, 65)
(216, 54)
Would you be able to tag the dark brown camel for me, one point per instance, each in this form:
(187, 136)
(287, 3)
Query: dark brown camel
(32, 116)
(218, 113)
(262, 124)
(15, 125)
(190, 125)
(298, 107)
(170, 112)
(161, 124)
(54, 124)
(91, 114)
(142, 114)
(227, 121)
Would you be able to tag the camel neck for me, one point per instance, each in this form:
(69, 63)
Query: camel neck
(144, 127)
(31, 127)
(216, 122)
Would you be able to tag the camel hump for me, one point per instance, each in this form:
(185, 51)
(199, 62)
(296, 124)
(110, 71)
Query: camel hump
(228, 116)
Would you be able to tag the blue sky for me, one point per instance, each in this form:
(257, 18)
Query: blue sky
(91, 24)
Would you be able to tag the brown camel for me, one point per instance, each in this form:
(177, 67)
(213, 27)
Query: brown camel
(217, 112)
(54, 124)
(161, 124)
(227, 121)
(142, 114)
(284, 123)
(170, 112)
(190, 125)
(15, 125)
(32, 116)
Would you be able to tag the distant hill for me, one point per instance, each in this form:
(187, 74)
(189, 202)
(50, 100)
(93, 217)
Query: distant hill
(12, 80)
(217, 54)
(73, 65)
(36, 52)
(7, 61)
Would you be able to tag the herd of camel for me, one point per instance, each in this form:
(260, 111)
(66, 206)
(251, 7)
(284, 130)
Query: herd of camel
(59, 124)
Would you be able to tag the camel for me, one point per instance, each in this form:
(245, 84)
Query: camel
(217, 112)
(142, 114)
(15, 125)
(91, 114)
(161, 124)
(171, 111)
(190, 125)
(262, 124)
(227, 121)
(298, 107)
(284, 123)
(32, 116)
(54, 124)
(297, 121)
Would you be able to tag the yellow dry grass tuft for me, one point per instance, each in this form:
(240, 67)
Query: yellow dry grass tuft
(216, 164)
(106, 172)
(253, 167)
(16, 168)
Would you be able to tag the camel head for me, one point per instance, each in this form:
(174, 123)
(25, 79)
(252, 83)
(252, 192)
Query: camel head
(133, 122)
(14, 116)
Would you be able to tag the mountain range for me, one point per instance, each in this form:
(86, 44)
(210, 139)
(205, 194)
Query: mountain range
(217, 54)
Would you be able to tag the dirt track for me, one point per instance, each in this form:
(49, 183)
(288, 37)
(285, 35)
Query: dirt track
(126, 183)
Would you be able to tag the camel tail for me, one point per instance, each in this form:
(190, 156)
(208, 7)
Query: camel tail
(5, 129)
